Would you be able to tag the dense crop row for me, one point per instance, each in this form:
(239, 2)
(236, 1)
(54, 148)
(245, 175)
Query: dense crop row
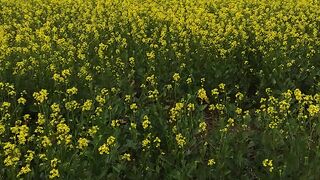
(165, 89)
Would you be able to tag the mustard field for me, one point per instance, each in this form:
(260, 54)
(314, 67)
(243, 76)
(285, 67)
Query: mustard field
(162, 89)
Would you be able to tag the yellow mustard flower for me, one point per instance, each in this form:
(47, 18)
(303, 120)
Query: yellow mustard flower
(22, 100)
(203, 95)
(146, 123)
(211, 162)
(268, 163)
(41, 96)
(54, 173)
(24, 170)
(104, 149)
(176, 77)
(83, 143)
(181, 141)
(126, 156)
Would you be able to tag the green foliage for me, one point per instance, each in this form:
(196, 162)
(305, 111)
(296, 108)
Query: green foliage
(159, 89)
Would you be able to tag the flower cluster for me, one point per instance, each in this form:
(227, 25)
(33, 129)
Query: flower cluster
(163, 89)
